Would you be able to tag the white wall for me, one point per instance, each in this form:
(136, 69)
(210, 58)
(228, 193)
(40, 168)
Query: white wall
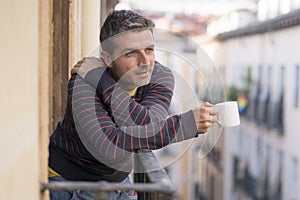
(273, 49)
(19, 171)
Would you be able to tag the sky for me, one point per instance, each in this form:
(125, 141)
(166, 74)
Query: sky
(214, 7)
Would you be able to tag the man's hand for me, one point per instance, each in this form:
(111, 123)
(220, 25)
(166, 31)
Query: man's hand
(83, 66)
(205, 115)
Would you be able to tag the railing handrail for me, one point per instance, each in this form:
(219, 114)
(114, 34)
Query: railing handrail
(105, 186)
(150, 181)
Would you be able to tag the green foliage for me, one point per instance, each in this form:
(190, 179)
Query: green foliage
(234, 92)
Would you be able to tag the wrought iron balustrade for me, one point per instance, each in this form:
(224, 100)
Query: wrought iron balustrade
(151, 181)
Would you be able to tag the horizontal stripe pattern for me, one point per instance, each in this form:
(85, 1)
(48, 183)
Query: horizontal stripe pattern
(103, 125)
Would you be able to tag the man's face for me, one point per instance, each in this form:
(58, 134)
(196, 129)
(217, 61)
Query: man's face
(134, 59)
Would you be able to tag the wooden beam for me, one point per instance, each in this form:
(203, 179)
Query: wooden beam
(60, 58)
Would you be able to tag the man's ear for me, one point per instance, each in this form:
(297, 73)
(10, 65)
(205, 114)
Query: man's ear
(107, 58)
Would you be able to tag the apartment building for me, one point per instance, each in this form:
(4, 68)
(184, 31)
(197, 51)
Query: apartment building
(260, 158)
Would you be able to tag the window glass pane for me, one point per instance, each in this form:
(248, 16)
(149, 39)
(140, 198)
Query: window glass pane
(297, 82)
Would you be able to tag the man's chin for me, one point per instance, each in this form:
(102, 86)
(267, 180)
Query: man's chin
(143, 83)
(132, 85)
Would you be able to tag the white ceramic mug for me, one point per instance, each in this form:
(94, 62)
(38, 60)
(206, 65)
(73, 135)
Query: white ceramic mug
(228, 114)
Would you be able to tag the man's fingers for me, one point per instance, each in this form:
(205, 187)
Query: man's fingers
(209, 118)
(205, 115)
(207, 104)
(92, 61)
(203, 126)
(86, 64)
(74, 70)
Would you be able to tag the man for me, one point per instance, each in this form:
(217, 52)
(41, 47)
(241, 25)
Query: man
(117, 105)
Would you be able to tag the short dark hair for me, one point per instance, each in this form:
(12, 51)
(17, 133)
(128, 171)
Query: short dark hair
(121, 21)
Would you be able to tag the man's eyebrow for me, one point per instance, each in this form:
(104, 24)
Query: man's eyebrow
(127, 50)
(151, 46)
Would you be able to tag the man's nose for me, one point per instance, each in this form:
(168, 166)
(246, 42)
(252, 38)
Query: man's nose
(143, 58)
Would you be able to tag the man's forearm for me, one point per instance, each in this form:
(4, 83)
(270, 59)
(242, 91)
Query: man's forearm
(152, 104)
(95, 126)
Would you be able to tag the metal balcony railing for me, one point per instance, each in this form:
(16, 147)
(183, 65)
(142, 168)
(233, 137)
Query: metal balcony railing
(151, 181)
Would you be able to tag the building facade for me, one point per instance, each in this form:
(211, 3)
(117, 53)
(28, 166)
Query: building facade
(260, 158)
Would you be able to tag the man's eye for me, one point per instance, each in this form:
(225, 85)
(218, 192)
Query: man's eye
(129, 54)
(149, 50)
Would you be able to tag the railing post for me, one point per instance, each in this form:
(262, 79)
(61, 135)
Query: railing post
(164, 196)
(139, 176)
(147, 169)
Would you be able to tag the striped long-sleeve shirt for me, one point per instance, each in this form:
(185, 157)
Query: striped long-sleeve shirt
(103, 125)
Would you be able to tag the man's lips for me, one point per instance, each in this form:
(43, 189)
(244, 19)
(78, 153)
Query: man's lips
(142, 73)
